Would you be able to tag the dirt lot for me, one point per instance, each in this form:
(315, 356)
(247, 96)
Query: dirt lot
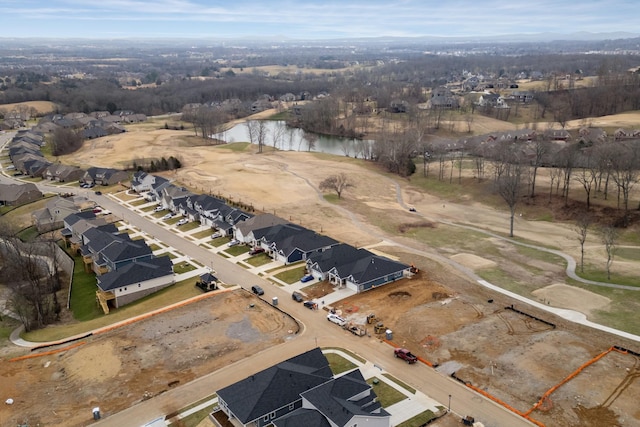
(139, 361)
(511, 356)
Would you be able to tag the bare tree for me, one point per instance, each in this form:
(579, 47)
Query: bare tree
(609, 236)
(509, 186)
(540, 149)
(278, 133)
(582, 229)
(257, 133)
(587, 176)
(625, 172)
(337, 183)
(311, 138)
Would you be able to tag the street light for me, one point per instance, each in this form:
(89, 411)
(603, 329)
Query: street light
(449, 410)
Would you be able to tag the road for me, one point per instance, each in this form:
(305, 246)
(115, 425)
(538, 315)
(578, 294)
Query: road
(315, 332)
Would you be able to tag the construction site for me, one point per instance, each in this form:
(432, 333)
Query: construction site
(548, 370)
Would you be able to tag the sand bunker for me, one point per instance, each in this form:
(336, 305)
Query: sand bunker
(473, 261)
(565, 296)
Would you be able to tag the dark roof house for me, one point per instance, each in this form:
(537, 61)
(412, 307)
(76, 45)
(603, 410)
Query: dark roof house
(302, 391)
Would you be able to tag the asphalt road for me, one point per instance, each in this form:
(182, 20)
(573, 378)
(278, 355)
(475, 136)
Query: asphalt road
(316, 331)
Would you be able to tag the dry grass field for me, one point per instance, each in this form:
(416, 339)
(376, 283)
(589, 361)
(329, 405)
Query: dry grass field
(42, 107)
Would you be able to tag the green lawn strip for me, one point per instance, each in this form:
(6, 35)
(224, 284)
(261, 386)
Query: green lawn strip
(223, 255)
(594, 273)
(632, 254)
(237, 250)
(28, 234)
(83, 293)
(141, 202)
(339, 364)
(419, 420)
(258, 260)
(202, 234)
(219, 242)
(243, 265)
(194, 419)
(190, 226)
(173, 220)
(178, 292)
(291, 276)
(204, 245)
(387, 395)
(400, 383)
(146, 208)
(183, 267)
(154, 247)
(351, 354)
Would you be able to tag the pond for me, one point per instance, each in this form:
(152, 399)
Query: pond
(283, 137)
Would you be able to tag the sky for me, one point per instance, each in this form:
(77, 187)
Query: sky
(311, 19)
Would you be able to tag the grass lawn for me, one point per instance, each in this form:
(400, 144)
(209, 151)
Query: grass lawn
(28, 234)
(400, 383)
(219, 242)
(173, 220)
(293, 275)
(339, 364)
(154, 247)
(237, 250)
(178, 292)
(419, 420)
(190, 226)
(387, 395)
(202, 234)
(147, 208)
(258, 260)
(183, 267)
(194, 419)
(83, 293)
(141, 202)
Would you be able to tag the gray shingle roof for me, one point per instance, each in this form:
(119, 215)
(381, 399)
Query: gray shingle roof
(136, 272)
(276, 386)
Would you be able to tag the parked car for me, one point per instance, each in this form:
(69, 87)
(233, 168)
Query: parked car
(412, 209)
(406, 355)
(167, 216)
(98, 193)
(158, 208)
(256, 251)
(233, 242)
(297, 296)
(183, 221)
(216, 235)
(104, 212)
(307, 278)
(257, 290)
(310, 305)
(340, 321)
(97, 209)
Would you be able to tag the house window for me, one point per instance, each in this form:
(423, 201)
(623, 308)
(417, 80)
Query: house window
(266, 418)
(125, 289)
(272, 415)
(139, 285)
(291, 406)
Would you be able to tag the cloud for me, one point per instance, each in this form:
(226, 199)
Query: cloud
(318, 19)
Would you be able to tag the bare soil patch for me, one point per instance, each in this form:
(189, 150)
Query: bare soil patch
(514, 357)
(139, 361)
(561, 295)
(473, 261)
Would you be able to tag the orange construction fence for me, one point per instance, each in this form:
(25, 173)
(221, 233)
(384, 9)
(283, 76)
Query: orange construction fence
(46, 353)
(573, 375)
